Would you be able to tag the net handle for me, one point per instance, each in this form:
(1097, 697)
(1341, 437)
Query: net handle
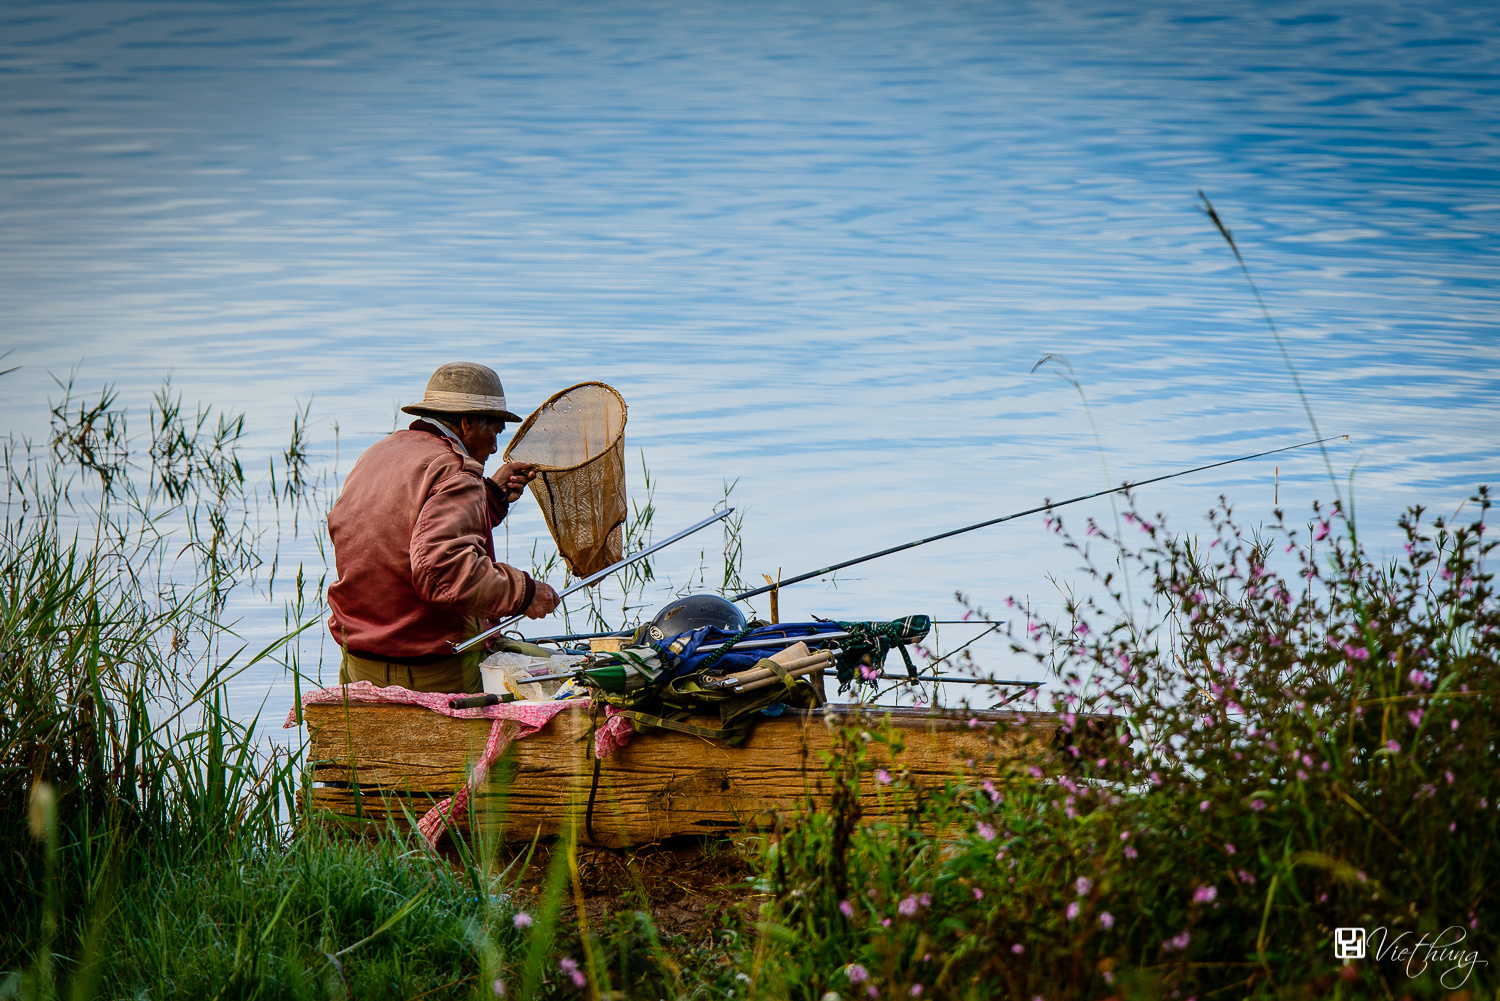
(530, 420)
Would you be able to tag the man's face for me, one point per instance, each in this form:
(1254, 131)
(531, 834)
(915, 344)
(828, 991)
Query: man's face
(481, 436)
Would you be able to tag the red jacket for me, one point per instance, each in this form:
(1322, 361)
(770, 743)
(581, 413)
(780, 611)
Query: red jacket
(415, 558)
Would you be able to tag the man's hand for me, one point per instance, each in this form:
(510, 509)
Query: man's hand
(512, 478)
(543, 602)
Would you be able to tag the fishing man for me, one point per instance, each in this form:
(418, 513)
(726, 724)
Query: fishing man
(412, 541)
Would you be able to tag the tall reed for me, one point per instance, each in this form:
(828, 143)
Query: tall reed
(117, 556)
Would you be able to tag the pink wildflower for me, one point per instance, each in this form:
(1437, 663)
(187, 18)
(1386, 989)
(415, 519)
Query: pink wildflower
(882, 776)
(1130, 851)
(1229, 847)
(885, 922)
(569, 965)
(1257, 805)
(846, 908)
(973, 722)
(978, 893)
(985, 831)
(1393, 747)
(1106, 920)
(1205, 894)
(1018, 949)
(1072, 911)
(916, 990)
(1083, 885)
(857, 974)
(1203, 806)
(1124, 835)
(907, 907)
(1246, 877)
(1322, 532)
(925, 900)
(499, 988)
(521, 920)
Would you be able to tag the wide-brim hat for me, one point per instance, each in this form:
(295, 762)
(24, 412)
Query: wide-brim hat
(464, 387)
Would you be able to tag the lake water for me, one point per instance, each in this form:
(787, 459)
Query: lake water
(818, 248)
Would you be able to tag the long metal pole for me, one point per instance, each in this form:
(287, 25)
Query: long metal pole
(1019, 514)
(923, 679)
(595, 578)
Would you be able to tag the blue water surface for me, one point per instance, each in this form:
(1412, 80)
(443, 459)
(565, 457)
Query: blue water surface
(818, 248)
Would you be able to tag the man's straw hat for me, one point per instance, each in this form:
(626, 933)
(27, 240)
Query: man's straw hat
(464, 387)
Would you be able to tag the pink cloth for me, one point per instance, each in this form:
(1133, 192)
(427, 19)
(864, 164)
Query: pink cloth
(613, 734)
(530, 716)
(415, 557)
(431, 826)
(512, 720)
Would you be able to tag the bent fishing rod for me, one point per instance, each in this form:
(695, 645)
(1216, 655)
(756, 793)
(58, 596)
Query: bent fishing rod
(1019, 514)
(595, 578)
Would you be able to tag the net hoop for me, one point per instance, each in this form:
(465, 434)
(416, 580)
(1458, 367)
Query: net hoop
(547, 409)
(576, 441)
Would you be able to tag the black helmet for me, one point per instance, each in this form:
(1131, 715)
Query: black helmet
(686, 614)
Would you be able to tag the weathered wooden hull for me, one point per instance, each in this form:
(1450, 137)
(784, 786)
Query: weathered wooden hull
(377, 764)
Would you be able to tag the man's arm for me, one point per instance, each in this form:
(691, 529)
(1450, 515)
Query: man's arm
(450, 560)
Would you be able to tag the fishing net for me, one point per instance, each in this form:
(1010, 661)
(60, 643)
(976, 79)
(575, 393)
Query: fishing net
(577, 441)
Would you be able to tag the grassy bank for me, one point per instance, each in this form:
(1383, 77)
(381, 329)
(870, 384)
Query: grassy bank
(1283, 739)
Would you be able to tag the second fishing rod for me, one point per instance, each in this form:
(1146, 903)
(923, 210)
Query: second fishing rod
(1050, 505)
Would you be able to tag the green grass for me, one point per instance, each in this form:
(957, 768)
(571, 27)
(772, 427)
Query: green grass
(310, 918)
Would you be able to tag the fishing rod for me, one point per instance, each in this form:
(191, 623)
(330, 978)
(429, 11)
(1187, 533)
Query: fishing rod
(626, 677)
(922, 679)
(595, 578)
(574, 637)
(1019, 514)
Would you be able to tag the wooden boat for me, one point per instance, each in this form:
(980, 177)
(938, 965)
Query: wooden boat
(376, 764)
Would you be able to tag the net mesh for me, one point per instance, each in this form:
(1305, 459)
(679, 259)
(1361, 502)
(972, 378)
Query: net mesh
(577, 441)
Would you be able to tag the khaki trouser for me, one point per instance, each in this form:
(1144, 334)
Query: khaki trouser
(459, 673)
